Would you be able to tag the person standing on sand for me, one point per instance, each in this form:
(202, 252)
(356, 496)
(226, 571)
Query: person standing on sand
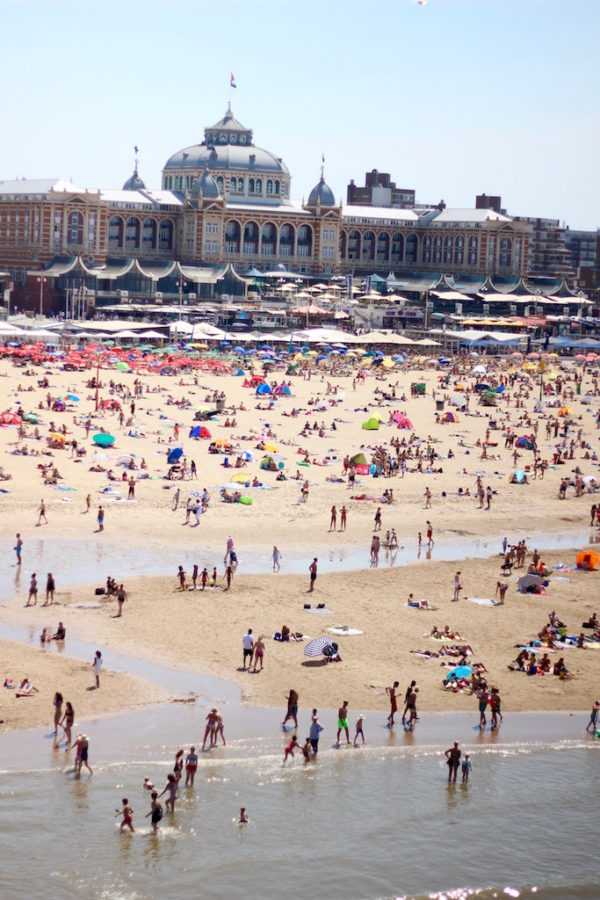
(377, 519)
(42, 512)
(97, 667)
(228, 576)
(313, 574)
(33, 591)
(427, 498)
(131, 491)
(100, 518)
(495, 707)
(176, 497)
(50, 588)
(259, 652)
(457, 587)
(248, 646)
(121, 598)
(18, 548)
(343, 722)
(501, 588)
(430, 541)
(343, 514)
(276, 556)
(66, 722)
(58, 702)
(453, 755)
(333, 519)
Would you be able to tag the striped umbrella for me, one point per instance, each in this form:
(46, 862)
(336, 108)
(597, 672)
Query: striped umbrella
(317, 645)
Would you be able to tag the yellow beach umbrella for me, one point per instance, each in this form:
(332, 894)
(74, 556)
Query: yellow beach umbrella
(240, 478)
(55, 436)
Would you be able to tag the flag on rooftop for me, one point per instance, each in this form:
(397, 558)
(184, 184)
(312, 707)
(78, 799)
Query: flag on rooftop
(232, 81)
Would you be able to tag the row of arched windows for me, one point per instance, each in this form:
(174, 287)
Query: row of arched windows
(268, 240)
(132, 233)
(256, 186)
(399, 248)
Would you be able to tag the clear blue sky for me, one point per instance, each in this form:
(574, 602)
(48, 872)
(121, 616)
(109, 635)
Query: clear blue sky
(454, 98)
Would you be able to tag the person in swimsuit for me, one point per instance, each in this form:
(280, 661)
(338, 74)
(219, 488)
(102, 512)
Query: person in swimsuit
(178, 766)
(58, 702)
(289, 750)
(306, 750)
(407, 694)
(191, 765)
(67, 722)
(50, 588)
(171, 786)
(276, 557)
(343, 722)
(19, 548)
(121, 598)
(313, 574)
(259, 652)
(219, 730)
(466, 768)
(453, 755)
(411, 708)
(292, 709)
(127, 814)
(391, 692)
(211, 724)
(156, 812)
(243, 819)
(100, 519)
(97, 667)
(359, 729)
(482, 697)
(82, 749)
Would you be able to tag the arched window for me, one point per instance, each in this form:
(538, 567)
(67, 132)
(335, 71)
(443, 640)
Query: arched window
(115, 233)
(240, 186)
(259, 185)
(232, 236)
(473, 251)
(75, 228)
(427, 248)
(251, 185)
(505, 252)
(305, 241)
(250, 238)
(368, 246)
(165, 234)
(397, 247)
(343, 244)
(132, 233)
(459, 250)
(354, 245)
(437, 249)
(287, 236)
(268, 239)
(448, 243)
(220, 183)
(412, 248)
(269, 186)
(383, 247)
(149, 234)
(276, 187)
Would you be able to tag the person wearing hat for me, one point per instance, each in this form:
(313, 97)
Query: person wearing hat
(593, 723)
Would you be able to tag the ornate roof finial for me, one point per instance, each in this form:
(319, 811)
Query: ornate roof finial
(322, 165)
(136, 150)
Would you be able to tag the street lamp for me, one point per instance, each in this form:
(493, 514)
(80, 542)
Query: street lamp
(181, 287)
(42, 281)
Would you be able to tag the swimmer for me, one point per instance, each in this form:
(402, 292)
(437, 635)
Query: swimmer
(243, 819)
(147, 785)
(156, 812)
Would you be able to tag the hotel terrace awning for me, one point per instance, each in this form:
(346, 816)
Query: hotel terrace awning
(451, 295)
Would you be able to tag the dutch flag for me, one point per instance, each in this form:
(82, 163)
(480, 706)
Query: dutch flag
(232, 81)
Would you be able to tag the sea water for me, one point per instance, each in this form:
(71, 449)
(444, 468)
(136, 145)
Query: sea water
(375, 821)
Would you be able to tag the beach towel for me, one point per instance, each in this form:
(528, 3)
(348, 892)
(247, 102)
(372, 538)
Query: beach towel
(344, 629)
(323, 612)
(483, 601)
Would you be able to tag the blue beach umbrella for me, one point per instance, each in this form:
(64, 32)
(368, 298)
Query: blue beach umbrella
(175, 454)
(459, 672)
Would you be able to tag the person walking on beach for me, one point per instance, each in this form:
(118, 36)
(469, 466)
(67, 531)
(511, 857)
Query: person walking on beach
(156, 813)
(427, 498)
(97, 667)
(453, 755)
(171, 786)
(42, 513)
(495, 707)
(343, 722)
(482, 697)
(248, 645)
(407, 696)
(127, 813)
(58, 702)
(359, 729)
(50, 588)
(315, 731)
(430, 541)
(313, 574)
(18, 548)
(292, 708)
(259, 652)
(377, 519)
(333, 519)
(88, 503)
(276, 556)
(33, 591)
(343, 514)
(229, 551)
(66, 722)
(100, 518)
(391, 692)
(466, 769)
(592, 725)
(228, 576)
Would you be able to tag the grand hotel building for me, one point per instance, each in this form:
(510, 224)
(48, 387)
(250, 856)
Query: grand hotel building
(225, 210)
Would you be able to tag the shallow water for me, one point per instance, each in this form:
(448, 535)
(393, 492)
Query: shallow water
(378, 821)
(75, 562)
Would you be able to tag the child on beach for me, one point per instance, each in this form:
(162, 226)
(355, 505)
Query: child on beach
(306, 750)
(171, 787)
(289, 750)
(466, 768)
(359, 729)
(127, 814)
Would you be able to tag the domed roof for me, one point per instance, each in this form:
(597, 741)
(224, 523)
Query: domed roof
(321, 194)
(201, 156)
(134, 182)
(205, 187)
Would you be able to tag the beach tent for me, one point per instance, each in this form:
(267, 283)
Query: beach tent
(479, 370)
(371, 424)
(263, 389)
(103, 440)
(404, 423)
(530, 583)
(10, 418)
(200, 431)
(359, 459)
(525, 442)
(268, 463)
(588, 560)
(565, 411)
(518, 477)
(488, 398)
(449, 417)
(174, 455)
(241, 478)
(458, 400)
(481, 386)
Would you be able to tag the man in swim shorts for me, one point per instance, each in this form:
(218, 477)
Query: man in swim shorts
(248, 642)
(343, 721)
(313, 574)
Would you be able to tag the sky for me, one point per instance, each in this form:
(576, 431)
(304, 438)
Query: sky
(454, 98)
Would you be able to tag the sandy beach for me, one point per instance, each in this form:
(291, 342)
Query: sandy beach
(203, 631)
